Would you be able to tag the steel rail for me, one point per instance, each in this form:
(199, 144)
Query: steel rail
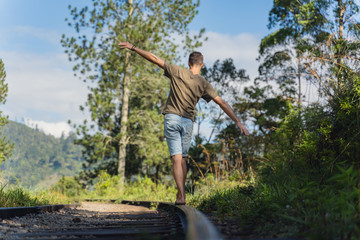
(195, 224)
(10, 212)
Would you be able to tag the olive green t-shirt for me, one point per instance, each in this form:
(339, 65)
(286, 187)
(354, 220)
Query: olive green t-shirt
(186, 89)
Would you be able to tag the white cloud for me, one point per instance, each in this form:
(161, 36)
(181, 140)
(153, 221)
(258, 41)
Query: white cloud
(242, 48)
(41, 84)
(56, 129)
(42, 87)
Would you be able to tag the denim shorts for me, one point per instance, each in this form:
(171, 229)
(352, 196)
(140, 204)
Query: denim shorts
(178, 133)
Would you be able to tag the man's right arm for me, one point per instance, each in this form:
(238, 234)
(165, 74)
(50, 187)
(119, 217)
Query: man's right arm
(147, 55)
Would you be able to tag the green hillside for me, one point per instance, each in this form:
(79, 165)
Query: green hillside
(39, 160)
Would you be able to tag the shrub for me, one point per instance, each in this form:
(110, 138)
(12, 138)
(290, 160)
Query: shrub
(68, 186)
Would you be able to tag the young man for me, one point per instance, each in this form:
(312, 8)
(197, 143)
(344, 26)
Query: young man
(186, 88)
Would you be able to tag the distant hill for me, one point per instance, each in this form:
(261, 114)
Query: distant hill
(39, 160)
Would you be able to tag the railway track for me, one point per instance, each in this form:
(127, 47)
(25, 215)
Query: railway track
(150, 220)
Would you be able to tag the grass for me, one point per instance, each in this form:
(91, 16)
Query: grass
(109, 187)
(16, 196)
(142, 190)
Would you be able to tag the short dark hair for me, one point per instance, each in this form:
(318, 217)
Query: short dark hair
(196, 58)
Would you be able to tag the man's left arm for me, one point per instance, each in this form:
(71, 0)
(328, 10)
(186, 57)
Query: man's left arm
(147, 55)
(230, 112)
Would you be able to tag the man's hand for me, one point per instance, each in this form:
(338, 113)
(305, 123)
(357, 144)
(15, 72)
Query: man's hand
(242, 127)
(126, 45)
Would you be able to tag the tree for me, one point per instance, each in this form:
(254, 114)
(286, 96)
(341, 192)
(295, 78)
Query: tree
(126, 93)
(334, 63)
(264, 110)
(320, 142)
(324, 35)
(299, 27)
(5, 146)
(340, 83)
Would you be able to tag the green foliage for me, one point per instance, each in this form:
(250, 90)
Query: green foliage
(150, 148)
(39, 160)
(302, 188)
(326, 211)
(307, 171)
(265, 110)
(110, 187)
(106, 184)
(145, 189)
(68, 186)
(305, 157)
(142, 189)
(210, 194)
(5, 145)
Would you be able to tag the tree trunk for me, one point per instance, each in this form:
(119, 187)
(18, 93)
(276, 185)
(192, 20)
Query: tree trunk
(342, 9)
(123, 122)
(298, 56)
(299, 81)
(124, 112)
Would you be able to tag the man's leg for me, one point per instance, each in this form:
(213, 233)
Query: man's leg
(186, 135)
(183, 163)
(179, 171)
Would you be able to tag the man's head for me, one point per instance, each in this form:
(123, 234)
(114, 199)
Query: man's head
(196, 58)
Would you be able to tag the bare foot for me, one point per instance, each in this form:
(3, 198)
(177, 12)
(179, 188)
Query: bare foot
(180, 200)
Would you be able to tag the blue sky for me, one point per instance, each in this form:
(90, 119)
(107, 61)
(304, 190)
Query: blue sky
(42, 87)
(233, 16)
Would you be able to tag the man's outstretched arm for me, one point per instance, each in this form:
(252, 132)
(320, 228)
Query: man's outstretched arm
(230, 112)
(147, 55)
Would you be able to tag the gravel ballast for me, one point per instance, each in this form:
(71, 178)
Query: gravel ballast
(87, 214)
